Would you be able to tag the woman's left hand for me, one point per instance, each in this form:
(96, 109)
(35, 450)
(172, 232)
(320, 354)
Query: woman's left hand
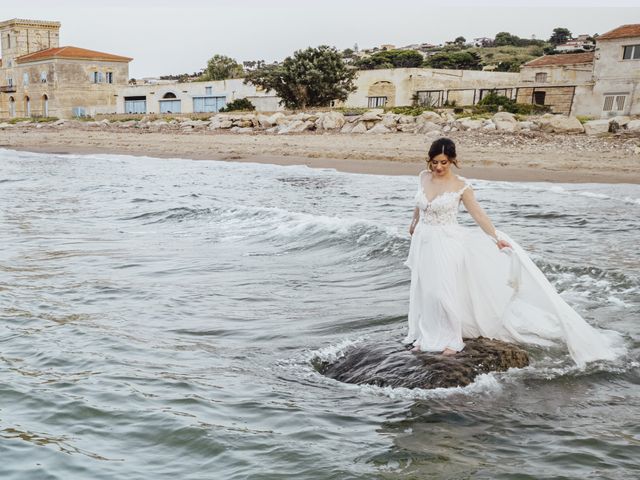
(503, 244)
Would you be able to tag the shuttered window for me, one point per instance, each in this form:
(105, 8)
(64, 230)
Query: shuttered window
(375, 102)
(614, 102)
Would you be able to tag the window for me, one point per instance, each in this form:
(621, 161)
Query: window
(541, 77)
(100, 77)
(43, 77)
(8, 40)
(94, 77)
(109, 77)
(25, 79)
(208, 90)
(10, 81)
(377, 102)
(208, 104)
(430, 98)
(614, 102)
(170, 106)
(538, 98)
(631, 52)
(135, 104)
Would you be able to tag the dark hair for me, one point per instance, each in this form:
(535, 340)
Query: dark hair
(444, 146)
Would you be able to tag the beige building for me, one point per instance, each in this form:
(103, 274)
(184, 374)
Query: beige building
(38, 78)
(192, 97)
(603, 83)
(557, 81)
(427, 86)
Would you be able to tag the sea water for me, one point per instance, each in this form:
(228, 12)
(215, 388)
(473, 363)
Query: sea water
(158, 318)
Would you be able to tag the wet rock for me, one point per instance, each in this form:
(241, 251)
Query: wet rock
(393, 365)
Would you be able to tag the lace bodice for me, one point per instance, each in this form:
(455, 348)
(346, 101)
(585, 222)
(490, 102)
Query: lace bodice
(442, 209)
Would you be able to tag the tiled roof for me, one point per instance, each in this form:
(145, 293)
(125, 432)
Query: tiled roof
(561, 59)
(73, 53)
(622, 31)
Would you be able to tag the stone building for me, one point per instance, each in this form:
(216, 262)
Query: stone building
(603, 83)
(38, 78)
(554, 80)
(427, 86)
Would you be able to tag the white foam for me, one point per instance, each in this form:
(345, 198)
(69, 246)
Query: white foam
(333, 352)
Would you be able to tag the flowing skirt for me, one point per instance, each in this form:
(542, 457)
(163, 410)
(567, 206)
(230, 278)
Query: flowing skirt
(462, 285)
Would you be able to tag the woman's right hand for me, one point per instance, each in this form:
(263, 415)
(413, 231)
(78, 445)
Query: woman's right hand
(412, 228)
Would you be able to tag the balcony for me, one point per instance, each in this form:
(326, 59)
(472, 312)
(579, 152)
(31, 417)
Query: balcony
(8, 88)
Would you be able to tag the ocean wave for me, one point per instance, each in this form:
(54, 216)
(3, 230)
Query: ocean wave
(589, 280)
(177, 214)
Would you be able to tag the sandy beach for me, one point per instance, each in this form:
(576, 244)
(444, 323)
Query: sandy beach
(493, 156)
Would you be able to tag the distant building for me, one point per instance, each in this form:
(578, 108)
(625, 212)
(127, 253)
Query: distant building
(600, 84)
(554, 79)
(191, 97)
(482, 42)
(582, 42)
(40, 78)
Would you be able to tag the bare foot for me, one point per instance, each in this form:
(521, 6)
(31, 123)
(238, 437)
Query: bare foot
(448, 352)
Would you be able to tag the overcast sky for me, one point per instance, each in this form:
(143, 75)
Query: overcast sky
(178, 36)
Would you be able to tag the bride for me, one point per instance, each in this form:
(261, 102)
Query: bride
(463, 286)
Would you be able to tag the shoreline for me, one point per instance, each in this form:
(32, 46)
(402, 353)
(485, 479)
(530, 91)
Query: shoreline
(534, 161)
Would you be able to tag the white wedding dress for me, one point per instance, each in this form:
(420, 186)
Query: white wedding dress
(462, 285)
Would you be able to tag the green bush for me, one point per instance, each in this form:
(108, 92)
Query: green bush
(583, 118)
(495, 103)
(239, 104)
(351, 111)
(414, 111)
(13, 121)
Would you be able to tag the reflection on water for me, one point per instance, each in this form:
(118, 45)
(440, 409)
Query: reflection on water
(158, 317)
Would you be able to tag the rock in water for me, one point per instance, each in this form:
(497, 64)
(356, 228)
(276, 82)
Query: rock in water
(393, 365)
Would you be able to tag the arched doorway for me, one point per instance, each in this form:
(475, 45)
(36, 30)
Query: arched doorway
(381, 94)
(170, 103)
(27, 106)
(12, 107)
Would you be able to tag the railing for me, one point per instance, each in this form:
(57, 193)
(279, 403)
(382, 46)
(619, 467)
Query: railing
(7, 88)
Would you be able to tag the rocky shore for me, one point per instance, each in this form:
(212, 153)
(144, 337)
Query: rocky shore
(499, 147)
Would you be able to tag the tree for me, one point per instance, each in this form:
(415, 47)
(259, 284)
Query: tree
(391, 59)
(310, 78)
(460, 40)
(505, 38)
(221, 67)
(560, 35)
(455, 60)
